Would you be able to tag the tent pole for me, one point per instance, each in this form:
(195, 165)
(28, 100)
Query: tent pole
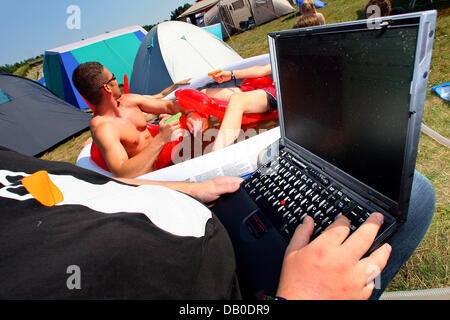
(251, 11)
(225, 26)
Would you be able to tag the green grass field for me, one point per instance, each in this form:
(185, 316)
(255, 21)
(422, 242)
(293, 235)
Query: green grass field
(428, 267)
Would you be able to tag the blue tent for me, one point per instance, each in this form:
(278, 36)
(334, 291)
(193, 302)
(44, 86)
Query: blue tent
(215, 29)
(318, 3)
(33, 119)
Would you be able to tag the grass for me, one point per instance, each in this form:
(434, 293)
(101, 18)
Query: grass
(69, 150)
(22, 71)
(428, 267)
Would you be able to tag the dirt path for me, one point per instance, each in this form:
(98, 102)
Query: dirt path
(35, 73)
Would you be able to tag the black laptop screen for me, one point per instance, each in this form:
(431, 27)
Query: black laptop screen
(346, 97)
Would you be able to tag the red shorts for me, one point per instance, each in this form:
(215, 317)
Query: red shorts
(164, 158)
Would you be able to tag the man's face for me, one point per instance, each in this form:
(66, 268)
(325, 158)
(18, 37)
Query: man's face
(111, 82)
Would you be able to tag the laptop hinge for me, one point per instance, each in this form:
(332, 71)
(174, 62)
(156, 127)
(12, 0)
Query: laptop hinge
(378, 202)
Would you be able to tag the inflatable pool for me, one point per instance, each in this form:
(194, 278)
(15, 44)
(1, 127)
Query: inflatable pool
(238, 159)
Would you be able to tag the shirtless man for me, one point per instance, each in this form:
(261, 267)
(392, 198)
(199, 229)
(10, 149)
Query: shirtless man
(119, 127)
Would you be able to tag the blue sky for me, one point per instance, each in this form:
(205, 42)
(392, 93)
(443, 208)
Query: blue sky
(28, 28)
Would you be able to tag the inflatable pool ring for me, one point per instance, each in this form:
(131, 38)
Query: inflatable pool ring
(126, 87)
(97, 157)
(192, 99)
(164, 158)
(258, 83)
(87, 102)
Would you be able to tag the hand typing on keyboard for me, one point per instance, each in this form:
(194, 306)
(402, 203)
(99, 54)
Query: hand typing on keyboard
(331, 266)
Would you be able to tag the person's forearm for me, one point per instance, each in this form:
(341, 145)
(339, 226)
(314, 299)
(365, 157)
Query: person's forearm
(167, 90)
(156, 96)
(164, 93)
(182, 186)
(141, 163)
(252, 72)
(159, 106)
(174, 107)
(171, 88)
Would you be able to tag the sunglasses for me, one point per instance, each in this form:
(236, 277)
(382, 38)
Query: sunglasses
(112, 79)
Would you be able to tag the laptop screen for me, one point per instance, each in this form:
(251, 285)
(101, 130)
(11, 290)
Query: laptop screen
(346, 97)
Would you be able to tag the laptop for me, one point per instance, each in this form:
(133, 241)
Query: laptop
(350, 100)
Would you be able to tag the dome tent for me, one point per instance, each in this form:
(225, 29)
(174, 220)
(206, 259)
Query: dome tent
(173, 51)
(33, 119)
(233, 13)
(115, 50)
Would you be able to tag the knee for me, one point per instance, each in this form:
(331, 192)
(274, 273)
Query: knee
(423, 199)
(237, 102)
(423, 188)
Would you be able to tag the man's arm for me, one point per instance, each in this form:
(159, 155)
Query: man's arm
(205, 191)
(251, 72)
(107, 138)
(171, 88)
(149, 104)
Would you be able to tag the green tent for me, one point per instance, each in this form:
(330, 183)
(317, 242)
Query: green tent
(116, 50)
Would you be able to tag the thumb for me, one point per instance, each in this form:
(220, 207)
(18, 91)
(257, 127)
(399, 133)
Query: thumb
(227, 184)
(302, 235)
(190, 124)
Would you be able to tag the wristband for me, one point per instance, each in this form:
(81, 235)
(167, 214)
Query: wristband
(190, 111)
(233, 78)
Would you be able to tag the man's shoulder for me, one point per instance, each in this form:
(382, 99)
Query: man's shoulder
(103, 123)
(126, 97)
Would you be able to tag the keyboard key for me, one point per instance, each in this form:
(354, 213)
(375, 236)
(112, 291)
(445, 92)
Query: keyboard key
(293, 222)
(325, 194)
(281, 209)
(287, 232)
(352, 215)
(322, 203)
(291, 205)
(303, 216)
(317, 214)
(286, 193)
(317, 231)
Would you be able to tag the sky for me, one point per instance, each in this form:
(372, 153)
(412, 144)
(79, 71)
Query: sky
(28, 28)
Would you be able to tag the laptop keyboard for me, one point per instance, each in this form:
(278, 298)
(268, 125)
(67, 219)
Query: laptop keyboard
(286, 191)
